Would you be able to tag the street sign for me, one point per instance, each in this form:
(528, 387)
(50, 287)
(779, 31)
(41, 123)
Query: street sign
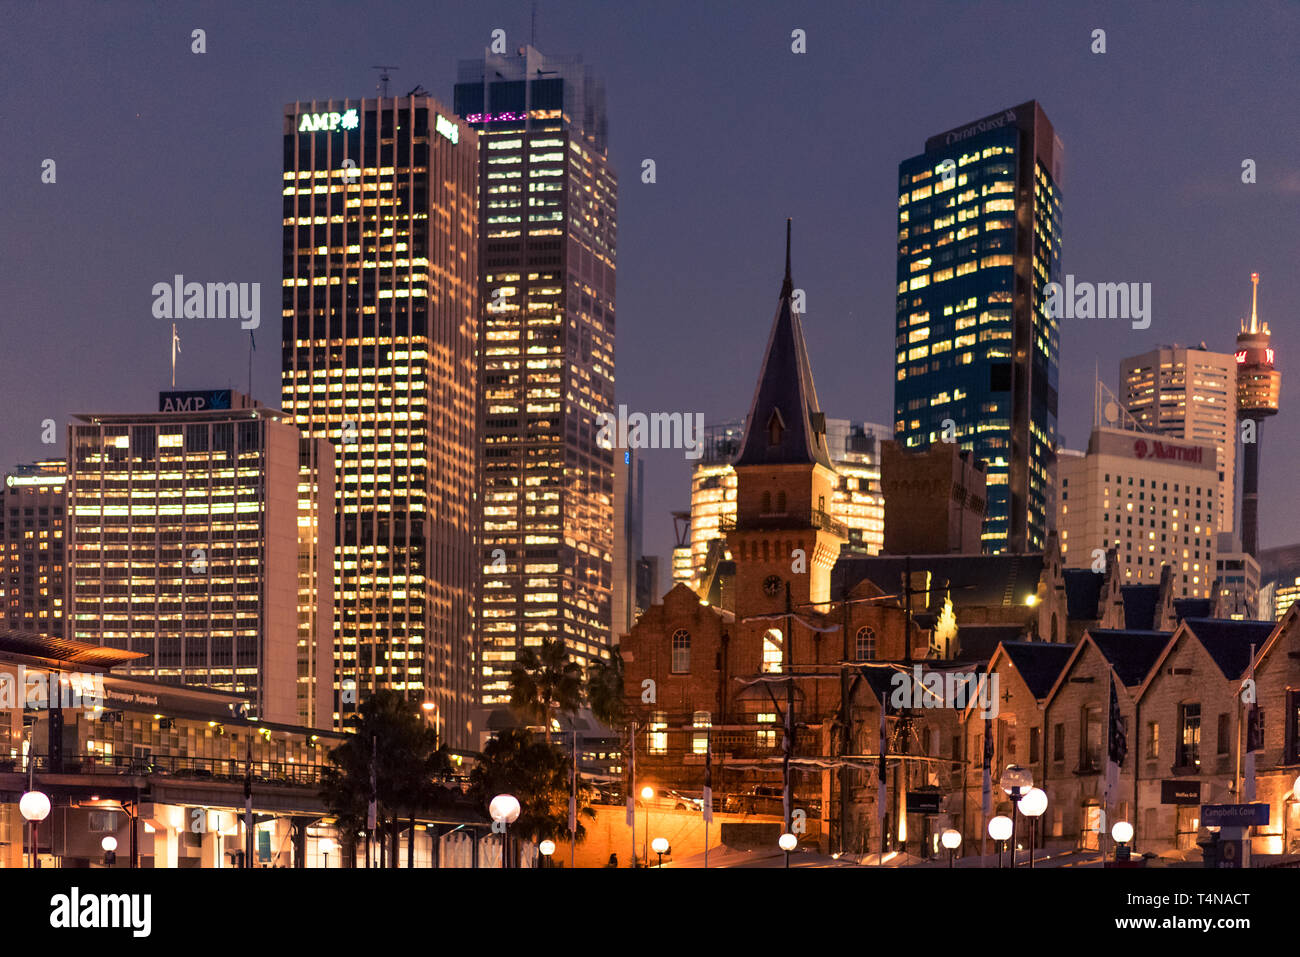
(1233, 815)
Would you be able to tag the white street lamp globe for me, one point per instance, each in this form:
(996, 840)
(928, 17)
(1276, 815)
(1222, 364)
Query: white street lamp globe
(647, 793)
(1000, 828)
(546, 848)
(327, 845)
(1016, 777)
(504, 807)
(1034, 802)
(659, 845)
(34, 806)
(1122, 832)
(788, 842)
(950, 838)
(109, 843)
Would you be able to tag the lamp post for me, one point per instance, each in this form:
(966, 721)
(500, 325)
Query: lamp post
(35, 807)
(546, 849)
(647, 793)
(951, 839)
(1000, 828)
(1121, 834)
(327, 844)
(787, 842)
(1032, 805)
(660, 846)
(109, 844)
(1015, 781)
(504, 810)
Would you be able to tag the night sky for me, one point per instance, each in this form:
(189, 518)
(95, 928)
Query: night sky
(170, 162)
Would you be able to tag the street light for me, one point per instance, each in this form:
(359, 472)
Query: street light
(109, 844)
(951, 839)
(647, 793)
(35, 807)
(1000, 830)
(787, 842)
(660, 846)
(1015, 781)
(1122, 833)
(546, 849)
(504, 809)
(1032, 805)
(327, 844)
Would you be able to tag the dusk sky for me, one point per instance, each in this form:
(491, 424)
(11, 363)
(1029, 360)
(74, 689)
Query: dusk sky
(170, 162)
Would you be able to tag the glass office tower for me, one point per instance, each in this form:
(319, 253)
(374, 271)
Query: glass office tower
(547, 253)
(979, 237)
(380, 328)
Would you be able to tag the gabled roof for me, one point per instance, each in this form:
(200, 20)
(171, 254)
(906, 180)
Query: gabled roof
(981, 641)
(1228, 642)
(1131, 652)
(1141, 603)
(1083, 589)
(785, 399)
(1039, 663)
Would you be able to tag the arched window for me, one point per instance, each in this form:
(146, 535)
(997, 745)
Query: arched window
(780, 503)
(772, 651)
(767, 502)
(681, 651)
(866, 644)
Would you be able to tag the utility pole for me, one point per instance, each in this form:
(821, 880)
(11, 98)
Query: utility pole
(846, 737)
(788, 744)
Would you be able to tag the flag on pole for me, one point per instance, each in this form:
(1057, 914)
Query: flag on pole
(708, 777)
(1116, 744)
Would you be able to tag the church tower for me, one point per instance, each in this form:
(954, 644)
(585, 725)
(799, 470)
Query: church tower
(784, 539)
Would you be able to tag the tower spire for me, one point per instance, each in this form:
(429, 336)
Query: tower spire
(1254, 299)
(787, 287)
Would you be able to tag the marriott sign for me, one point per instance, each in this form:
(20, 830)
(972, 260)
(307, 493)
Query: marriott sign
(1151, 449)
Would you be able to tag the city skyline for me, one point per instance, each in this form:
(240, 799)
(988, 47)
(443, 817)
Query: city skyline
(1134, 166)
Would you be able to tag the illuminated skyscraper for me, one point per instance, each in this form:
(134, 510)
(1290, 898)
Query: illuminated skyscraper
(979, 238)
(1188, 393)
(380, 331)
(1258, 387)
(548, 237)
(32, 538)
(186, 535)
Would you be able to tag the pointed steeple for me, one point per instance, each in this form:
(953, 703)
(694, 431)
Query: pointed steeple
(785, 424)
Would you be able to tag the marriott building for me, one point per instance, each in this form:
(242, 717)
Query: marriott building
(547, 252)
(979, 237)
(380, 326)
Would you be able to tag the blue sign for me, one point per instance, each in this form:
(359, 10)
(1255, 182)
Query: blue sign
(193, 401)
(1233, 815)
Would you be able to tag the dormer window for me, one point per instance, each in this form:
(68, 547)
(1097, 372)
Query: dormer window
(775, 428)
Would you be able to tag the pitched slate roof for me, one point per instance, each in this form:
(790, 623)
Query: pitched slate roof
(980, 641)
(1038, 662)
(971, 579)
(1192, 608)
(1228, 642)
(1141, 602)
(1082, 593)
(1130, 652)
(786, 393)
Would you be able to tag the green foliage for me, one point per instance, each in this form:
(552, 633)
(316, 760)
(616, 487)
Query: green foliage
(544, 681)
(536, 772)
(605, 691)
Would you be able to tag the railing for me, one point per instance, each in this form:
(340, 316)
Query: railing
(817, 518)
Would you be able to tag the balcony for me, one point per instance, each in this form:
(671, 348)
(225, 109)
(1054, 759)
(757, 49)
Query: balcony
(820, 520)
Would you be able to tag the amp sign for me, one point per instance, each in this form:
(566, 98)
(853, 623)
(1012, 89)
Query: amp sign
(193, 401)
(315, 122)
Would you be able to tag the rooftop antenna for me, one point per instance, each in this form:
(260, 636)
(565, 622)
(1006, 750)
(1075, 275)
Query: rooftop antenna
(384, 78)
(176, 347)
(532, 41)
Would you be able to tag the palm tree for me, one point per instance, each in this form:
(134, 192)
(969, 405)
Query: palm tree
(605, 690)
(544, 681)
(537, 773)
(389, 733)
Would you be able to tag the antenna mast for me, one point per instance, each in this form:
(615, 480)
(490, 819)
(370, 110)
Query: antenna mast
(384, 78)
